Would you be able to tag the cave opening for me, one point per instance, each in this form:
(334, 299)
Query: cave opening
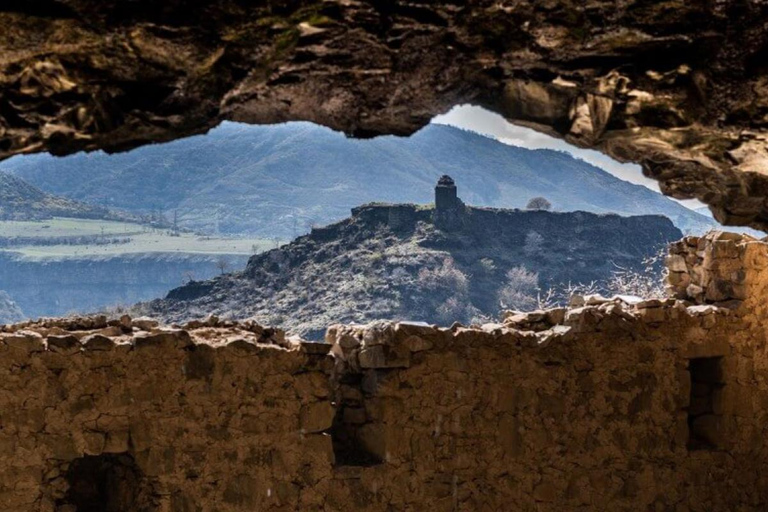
(704, 414)
(297, 226)
(107, 483)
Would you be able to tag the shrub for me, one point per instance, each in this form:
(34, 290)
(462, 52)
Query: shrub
(533, 243)
(487, 265)
(446, 276)
(650, 281)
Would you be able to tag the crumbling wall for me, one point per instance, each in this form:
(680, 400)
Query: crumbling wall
(617, 404)
(593, 413)
(213, 418)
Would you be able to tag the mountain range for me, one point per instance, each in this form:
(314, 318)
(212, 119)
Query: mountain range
(277, 181)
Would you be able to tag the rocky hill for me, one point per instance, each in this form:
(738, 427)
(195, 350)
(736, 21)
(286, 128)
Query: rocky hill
(415, 263)
(279, 180)
(20, 200)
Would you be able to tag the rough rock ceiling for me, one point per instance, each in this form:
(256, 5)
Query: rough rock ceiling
(680, 86)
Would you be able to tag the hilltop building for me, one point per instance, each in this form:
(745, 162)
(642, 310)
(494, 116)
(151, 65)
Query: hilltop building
(449, 209)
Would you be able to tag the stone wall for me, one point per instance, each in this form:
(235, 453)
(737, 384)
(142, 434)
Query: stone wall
(598, 413)
(614, 404)
(210, 418)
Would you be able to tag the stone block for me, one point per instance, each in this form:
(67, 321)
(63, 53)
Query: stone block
(417, 344)
(97, 343)
(317, 416)
(380, 356)
(176, 338)
(65, 345)
(24, 341)
(315, 348)
(117, 441)
(679, 279)
(652, 315)
(145, 324)
(93, 443)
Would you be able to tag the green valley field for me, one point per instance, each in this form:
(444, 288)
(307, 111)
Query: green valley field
(58, 238)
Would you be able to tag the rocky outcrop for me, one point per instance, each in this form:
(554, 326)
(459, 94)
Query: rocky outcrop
(412, 262)
(679, 87)
(613, 404)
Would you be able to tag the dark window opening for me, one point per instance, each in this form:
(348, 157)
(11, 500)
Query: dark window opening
(107, 483)
(356, 441)
(704, 416)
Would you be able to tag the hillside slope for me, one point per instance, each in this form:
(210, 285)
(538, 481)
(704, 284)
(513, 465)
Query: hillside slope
(393, 262)
(20, 200)
(279, 180)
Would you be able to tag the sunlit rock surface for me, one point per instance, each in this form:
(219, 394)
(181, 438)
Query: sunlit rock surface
(680, 87)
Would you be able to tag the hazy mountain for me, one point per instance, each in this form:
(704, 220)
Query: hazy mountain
(9, 310)
(277, 180)
(21, 201)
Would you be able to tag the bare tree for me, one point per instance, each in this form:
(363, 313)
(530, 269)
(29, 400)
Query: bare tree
(521, 290)
(539, 203)
(188, 276)
(222, 263)
(648, 282)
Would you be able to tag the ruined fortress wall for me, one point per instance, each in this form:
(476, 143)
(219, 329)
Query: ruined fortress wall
(225, 427)
(659, 405)
(596, 417)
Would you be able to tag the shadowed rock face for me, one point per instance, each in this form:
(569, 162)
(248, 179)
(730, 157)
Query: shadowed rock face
(678, 86)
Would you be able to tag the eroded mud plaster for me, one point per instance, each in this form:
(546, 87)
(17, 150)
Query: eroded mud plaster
(678, 86)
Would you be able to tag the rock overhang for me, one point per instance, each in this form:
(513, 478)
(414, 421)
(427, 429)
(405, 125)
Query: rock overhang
(678, 87)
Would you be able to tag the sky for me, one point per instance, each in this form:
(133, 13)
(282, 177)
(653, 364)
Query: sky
(483, 121)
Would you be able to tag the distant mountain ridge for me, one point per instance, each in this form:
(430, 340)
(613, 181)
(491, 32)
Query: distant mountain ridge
(279, 180)
(21, 201)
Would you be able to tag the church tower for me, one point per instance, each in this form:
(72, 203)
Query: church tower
(446, 198)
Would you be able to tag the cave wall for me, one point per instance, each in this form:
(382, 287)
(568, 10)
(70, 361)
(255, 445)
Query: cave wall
(607, 405)
(680, 87)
